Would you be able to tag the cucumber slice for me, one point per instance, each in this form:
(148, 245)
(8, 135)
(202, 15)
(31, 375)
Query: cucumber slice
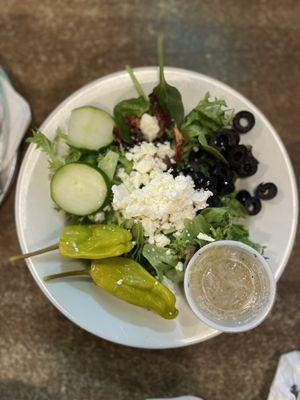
(90, 128)
(108, 163)
(79, 189)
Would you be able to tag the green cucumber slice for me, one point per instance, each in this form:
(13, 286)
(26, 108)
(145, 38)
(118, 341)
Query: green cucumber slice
(90, 128)
(79, 189)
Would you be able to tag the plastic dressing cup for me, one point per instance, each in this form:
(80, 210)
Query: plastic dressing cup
(229, 286)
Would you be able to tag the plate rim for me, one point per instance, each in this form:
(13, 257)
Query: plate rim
(153, 69)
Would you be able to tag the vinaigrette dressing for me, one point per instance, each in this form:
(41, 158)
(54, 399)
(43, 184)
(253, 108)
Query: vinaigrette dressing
(229, 284)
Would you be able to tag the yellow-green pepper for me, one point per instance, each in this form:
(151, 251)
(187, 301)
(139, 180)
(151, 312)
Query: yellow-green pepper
(94, 241)
(129, 281)
(88, 242)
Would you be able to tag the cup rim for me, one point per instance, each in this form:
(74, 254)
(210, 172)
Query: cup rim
(219, 326)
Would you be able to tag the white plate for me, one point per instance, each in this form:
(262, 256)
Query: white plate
(38, 224)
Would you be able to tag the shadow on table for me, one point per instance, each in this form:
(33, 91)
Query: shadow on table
(14, 390)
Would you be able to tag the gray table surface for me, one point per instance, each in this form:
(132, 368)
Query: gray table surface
(51, 48)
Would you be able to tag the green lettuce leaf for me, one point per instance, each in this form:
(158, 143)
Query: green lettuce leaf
(160, 258)
(47, 146)
(209, 115)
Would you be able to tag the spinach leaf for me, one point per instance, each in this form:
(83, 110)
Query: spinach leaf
(212, 150)
(47, 146)
(196, 133)
(136, 106)
(160, 259)
(169, 97)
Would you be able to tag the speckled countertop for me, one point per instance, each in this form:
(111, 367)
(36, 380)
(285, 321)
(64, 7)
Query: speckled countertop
(51, 48)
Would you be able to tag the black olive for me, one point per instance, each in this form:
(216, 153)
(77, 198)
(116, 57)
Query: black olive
(253, 205)
(221, 171)
(210, 183)
(225, 186)
(242, 196)
(174, 170)
(198, 178)
(248, 167)
(214, 201)
(236, 155)
(219, 141)
(266, 191)
(196, 158)
(243, 121)
(233, 137)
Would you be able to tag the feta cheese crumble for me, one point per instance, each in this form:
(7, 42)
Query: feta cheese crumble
(152, 196)
(203, 236)
(179, 266)
(149, 127)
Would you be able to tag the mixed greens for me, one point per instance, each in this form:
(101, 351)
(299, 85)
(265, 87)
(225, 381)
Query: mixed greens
(95, 155)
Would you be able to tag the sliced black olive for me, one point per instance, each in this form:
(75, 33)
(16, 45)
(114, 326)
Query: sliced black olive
(253, 205)
(247, 168)
(174, 170)
(210, 183)
(196, 158)
(242, 196)
(236, 155)
(198, 178)
(225, 186)
(219, 141)
(243, 121)
(232, 136)
(221, 171)
(266, 191)
(214, 201)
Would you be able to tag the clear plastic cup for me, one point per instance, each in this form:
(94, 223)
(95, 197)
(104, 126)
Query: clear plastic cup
(231, 294)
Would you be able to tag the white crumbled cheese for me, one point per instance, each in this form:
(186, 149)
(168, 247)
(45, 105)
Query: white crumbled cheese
(152, 196)
(161, 240)
(203, 236)
(120, 282)
(99, 217)
(149, 127)
(168, 252)
(179, 266)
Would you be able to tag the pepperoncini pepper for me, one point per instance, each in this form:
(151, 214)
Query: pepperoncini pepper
(89, 242)
(129, 281)
(94, 241)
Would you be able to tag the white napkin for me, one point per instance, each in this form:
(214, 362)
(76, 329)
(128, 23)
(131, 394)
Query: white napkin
(286, 383)
(15, 117)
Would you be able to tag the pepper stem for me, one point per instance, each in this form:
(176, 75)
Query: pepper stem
(81, 272)
(34, 253)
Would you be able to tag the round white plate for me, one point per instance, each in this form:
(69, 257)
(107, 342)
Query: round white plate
(88, 306)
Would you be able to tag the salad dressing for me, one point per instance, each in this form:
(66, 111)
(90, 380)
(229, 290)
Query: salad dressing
(228, 284)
